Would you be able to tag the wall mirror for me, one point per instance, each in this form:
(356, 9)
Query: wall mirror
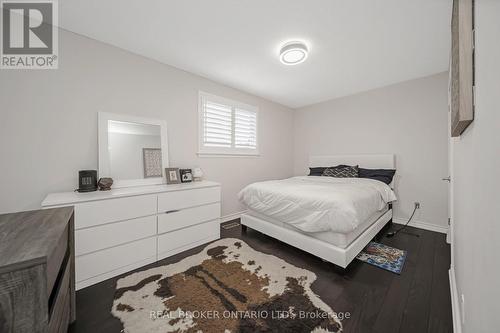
(132, 150)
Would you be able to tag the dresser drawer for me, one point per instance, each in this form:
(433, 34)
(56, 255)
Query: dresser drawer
(112, 210)
(64, 324)
(188, 198)
(60, 304)
(187, 217)
(93, 264)
(108, 235)
(55, 260)
(180, 240)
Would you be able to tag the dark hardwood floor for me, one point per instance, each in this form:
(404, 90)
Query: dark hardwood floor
(418, 300)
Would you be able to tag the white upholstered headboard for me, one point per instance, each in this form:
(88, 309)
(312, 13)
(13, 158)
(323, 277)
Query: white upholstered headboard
(371, 161)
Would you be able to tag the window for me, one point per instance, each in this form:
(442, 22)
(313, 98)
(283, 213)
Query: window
(227, 127)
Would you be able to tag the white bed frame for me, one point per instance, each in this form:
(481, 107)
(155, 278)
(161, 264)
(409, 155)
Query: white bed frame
(326, 251)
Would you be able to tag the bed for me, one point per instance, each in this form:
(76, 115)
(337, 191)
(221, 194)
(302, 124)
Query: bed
(331, 218)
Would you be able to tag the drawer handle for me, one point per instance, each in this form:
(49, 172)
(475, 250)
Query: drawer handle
(171, 211)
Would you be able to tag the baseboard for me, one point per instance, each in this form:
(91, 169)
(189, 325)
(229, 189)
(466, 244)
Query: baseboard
(455, 304)
(422, 225)
(233, 216)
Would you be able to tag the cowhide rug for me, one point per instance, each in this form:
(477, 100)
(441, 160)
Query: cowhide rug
(228, 287)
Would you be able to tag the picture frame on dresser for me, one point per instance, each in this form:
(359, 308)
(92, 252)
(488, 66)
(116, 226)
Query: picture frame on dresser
(186, 175)
(172, 176)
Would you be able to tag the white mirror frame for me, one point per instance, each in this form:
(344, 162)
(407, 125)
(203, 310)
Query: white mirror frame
(102, 139)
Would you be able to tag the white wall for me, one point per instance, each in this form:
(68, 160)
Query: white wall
(408, 119)
(48, 124)
(52, 118)
(476, 221)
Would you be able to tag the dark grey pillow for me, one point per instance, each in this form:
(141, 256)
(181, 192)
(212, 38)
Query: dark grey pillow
(316, 171)
(383, 175)
(342, 171)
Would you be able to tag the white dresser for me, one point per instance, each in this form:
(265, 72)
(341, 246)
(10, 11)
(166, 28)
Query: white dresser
(119, 230)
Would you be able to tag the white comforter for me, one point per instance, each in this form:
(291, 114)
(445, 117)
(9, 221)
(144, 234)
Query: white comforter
(315, 204)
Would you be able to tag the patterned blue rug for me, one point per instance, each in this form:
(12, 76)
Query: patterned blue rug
(383, 256)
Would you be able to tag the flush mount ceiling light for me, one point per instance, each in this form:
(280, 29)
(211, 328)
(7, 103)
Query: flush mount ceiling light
(293, 53)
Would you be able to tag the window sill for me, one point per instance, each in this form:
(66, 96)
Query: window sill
(214, 154)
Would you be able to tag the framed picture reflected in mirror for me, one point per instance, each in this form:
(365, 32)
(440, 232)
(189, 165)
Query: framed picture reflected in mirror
(151, 159)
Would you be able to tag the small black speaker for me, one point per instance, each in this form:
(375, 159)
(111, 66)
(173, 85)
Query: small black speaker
(87, 180)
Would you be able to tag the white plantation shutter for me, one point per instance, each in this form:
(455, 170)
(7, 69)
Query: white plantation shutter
(245, 129)
(217, 125)
(227, 127)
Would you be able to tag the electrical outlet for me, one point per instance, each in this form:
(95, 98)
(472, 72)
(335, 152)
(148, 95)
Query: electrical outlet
(417, 205)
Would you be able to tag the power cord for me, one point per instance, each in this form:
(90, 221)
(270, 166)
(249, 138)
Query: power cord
(394, 233)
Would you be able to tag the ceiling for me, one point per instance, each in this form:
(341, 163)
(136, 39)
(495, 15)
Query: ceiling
(355, 45)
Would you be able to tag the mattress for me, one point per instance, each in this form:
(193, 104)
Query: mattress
(319, 204)
(342, 240)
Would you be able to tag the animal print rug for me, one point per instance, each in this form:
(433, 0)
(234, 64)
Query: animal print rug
(228, 287)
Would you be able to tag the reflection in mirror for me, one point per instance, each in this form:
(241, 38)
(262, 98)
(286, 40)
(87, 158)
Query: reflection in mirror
(134, 150)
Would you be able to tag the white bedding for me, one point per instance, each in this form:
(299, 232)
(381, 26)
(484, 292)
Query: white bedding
(317, 204)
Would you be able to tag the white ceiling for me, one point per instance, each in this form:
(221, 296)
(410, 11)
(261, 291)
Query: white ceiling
(355, 45)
